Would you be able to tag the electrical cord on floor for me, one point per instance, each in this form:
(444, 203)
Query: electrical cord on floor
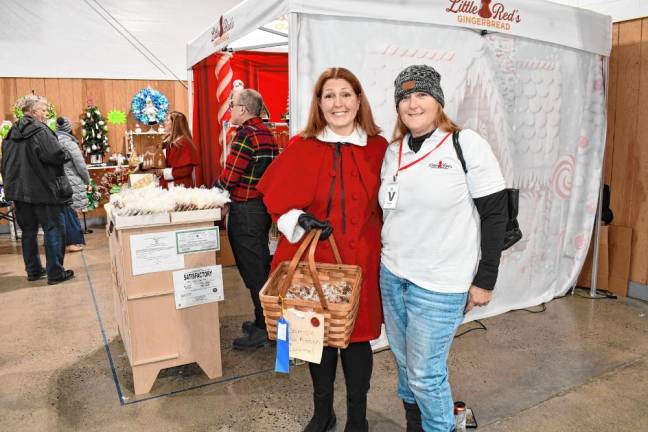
(543, 307)
(601, 293)
(481, 327)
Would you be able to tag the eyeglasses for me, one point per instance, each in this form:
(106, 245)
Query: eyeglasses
(232, 105)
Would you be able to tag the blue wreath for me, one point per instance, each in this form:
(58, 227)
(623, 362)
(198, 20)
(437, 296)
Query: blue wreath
(160, 102)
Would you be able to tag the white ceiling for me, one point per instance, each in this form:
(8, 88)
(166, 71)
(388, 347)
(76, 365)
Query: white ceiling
(75, 38)
(80, 38)
(619, 10)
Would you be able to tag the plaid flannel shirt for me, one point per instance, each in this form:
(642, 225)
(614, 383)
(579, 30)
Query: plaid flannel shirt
(252, 150)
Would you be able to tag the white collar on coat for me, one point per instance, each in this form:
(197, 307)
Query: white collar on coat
(358, 137)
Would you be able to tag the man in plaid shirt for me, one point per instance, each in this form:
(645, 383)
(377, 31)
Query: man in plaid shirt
(252, 150)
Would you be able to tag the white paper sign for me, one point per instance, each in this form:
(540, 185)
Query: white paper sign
(198, 286)
(154, 252)
(306, 335)
(198, 240)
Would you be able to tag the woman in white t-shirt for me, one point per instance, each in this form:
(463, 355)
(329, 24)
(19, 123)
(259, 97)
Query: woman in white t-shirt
(441, 241)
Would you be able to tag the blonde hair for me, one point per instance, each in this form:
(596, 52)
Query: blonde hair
(443, 122)
(179, 129)
(316, 122)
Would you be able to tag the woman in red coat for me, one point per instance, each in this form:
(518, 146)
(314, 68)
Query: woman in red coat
(181, 157)
(329, 178)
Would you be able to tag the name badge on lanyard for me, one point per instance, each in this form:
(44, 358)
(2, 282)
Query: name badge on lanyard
(392, 188)
(392, 196)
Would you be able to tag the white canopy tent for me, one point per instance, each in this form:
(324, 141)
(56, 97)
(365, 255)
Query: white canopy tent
(528, 75)
(139, 39)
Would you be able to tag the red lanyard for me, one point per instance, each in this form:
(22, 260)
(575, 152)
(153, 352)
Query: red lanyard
(400, 155)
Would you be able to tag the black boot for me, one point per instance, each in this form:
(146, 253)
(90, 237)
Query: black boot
(321, 424)
(357, 363)
(323, 376)
(356, 412)
(257, 338)
(413, 417)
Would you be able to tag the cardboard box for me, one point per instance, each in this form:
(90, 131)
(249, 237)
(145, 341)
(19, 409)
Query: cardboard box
(155, 333)
(619, 253)
(614, 261)
(196, 215)
(136, 221)
(140, 220)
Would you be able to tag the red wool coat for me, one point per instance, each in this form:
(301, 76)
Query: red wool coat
(182, 159)
(300, 178)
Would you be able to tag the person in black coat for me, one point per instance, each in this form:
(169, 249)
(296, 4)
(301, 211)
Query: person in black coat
(32, 170)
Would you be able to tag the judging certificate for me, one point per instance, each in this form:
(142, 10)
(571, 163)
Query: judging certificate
(198, 286)
(154, 252)
(198, 240)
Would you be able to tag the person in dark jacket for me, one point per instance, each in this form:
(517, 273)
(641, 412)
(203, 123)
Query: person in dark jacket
(32, 169)
(77, 174)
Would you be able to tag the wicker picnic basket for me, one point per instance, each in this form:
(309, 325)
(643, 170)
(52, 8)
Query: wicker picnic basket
(339, 318)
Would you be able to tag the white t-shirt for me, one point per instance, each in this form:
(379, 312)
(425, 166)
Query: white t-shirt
(432, 237)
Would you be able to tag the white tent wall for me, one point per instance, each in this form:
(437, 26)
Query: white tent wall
(537, 94)
(541, 106)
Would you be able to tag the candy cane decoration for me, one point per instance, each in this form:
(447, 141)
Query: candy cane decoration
(224, 74)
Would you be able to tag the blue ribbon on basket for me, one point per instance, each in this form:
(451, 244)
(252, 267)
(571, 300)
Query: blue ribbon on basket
(282, 359)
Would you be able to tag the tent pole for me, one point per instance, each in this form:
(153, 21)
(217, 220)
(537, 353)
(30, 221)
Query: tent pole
(293, 88)
(599, 208)
(254, 47)
(275, 32)
(190, 97)
(597, 232)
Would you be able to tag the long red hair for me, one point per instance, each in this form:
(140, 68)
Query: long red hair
(316, 122)
(179, 130)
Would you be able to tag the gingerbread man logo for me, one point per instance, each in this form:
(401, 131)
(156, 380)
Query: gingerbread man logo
(485, 11)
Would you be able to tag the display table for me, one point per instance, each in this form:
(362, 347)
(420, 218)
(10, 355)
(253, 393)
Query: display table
(156, 335)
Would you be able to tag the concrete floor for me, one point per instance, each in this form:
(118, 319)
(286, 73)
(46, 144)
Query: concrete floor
(581, 365)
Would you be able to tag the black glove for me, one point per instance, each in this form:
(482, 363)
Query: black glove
(308, 222)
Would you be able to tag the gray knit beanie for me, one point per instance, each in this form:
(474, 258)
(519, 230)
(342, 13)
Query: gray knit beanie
(418, 78)
(63, 125)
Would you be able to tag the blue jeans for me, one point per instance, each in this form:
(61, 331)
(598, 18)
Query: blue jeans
(50, 218)
(420, 327)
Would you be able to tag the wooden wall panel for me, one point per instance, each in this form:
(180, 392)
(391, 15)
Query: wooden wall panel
(180, 96)
(627, 102)
(37, 85)
(7, 98)
(70, 97)
(639, 201)
(53, 92)
(23, 87)
(66, 103)
(626, 155)
(79, 101)
(625, 166)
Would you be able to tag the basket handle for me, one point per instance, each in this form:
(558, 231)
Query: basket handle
(313, 269)
(293, 263)
(312, 238)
